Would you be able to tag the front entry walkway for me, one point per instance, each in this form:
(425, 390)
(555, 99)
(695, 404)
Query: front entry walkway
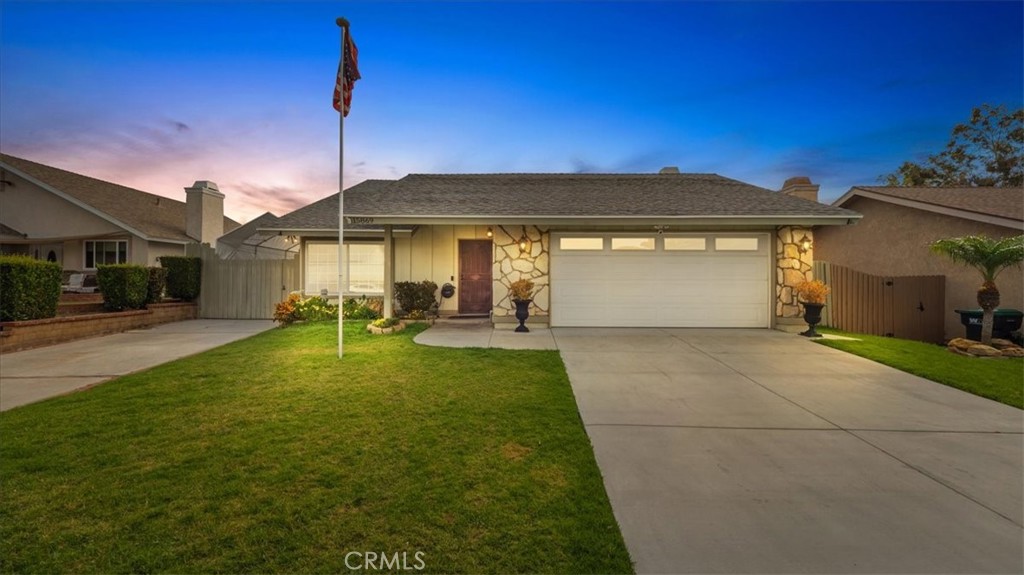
(480, 333)
(755, 451)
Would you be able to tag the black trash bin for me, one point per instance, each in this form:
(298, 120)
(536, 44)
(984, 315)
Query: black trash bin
(1004, 322)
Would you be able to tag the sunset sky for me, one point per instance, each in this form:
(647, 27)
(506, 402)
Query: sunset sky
(156, 95)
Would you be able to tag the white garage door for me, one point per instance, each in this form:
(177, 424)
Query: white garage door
(697, 280)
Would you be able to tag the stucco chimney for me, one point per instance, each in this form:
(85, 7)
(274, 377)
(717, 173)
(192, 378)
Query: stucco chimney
(800, 187)
(204, 212)
(669, 170)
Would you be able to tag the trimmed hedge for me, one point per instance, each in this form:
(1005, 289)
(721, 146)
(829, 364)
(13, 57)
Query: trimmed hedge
(157, 282)
(124, 286)
(183, 276)
(416, 296)
(29, 288)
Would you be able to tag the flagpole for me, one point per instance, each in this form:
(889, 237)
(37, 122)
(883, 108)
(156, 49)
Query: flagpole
(343, 24)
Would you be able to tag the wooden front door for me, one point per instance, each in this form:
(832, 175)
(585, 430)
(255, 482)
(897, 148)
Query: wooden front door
(475, 276)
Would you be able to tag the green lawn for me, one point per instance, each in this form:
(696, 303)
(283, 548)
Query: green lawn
(271, 455)
(994, 378)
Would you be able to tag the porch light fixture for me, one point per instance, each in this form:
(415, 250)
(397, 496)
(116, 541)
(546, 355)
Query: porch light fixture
(490, 232)
(805, 244)
(524, 242)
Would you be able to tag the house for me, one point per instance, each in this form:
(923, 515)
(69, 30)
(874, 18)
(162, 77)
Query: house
(668, 249)
(246, 242)
(899, 224)
(81, 222)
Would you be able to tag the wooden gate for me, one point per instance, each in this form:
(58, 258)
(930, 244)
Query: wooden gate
(242, 289)
(907, 307)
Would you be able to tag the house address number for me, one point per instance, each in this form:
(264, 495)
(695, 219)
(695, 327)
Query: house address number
(359, 220)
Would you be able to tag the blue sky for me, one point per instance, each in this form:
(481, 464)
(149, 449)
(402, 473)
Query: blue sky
(156, 95)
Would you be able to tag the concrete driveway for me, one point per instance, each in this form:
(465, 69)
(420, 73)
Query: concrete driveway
(755, 451)
(36, 374)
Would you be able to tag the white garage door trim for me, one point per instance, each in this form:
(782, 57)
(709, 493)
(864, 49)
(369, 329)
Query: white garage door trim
(643, 287)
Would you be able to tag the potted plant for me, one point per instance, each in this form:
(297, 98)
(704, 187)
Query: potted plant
(812, 295)
(521, 292)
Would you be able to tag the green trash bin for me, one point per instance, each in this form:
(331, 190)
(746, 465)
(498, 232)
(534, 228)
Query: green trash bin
(1004, 322)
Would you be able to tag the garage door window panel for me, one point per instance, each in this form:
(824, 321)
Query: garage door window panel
(736, 244)
(685, 244)
(632, 244)
(581, 244)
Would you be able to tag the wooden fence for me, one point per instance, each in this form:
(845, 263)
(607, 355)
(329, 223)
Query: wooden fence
(242, 289)
(907, 307)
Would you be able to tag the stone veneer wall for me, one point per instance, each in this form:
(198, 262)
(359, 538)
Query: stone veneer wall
(511, 264)
(792, 267)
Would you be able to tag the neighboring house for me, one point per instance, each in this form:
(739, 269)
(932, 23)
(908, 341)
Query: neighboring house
(246, 242)
(899, 224)
(666, 249)
(81, 222)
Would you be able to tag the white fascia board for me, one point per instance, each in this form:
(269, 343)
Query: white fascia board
(926, 207)
(86, 207)
(330, 232)
(783, 220)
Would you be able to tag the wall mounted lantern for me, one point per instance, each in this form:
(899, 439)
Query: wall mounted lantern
(805, 244)
(490, 232)
(524, 242)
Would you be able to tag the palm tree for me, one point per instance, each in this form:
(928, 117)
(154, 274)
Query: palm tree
(989, 257)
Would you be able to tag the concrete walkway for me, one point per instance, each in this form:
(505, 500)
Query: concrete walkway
(32, 375)
(479, 333)
(756, 451)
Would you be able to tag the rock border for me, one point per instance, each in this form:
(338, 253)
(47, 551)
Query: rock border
(971, 348)
(385, 330)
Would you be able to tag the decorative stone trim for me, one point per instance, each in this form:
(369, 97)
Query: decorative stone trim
(512, 264)
(791, 268)
(385, 330)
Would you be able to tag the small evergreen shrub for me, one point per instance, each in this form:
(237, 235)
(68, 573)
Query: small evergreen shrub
(29, 288)
(183, 276)
(124, 286)
(155, 287)
(416, 296)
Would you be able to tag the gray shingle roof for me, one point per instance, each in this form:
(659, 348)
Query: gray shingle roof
(557, 195)
(156, 216)
(1000, 202)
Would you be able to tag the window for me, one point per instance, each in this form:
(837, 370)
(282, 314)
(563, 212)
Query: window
(736, 244)
(105, 252)
(632, 244)
(364, 264)
(365, 268)
(572, 244)
(321, 268)
(685, 244)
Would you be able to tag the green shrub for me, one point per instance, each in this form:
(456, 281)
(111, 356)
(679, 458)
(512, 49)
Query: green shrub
(124, 286)
(316, 308)
(183, 276)
(29, 288)
(155, 287)
(413, 296)
(361, 308)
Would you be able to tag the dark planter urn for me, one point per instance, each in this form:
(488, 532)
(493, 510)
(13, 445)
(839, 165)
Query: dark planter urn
(812, 315)
(522, 313)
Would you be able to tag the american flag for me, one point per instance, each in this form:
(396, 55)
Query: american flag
(343, 86)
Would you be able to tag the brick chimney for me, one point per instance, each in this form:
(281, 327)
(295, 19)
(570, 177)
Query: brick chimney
(204, 212)
(800, 187)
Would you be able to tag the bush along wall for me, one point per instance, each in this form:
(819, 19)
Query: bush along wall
(155, 287)
(124, 286)
(29, 288)
(416, 296)
(183, 276)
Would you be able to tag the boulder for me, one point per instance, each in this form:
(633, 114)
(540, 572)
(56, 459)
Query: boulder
(961, 344)
(1002, 343)
(1013, 352)
(982, 350)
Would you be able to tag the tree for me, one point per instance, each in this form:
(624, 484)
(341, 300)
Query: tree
(989, 257)
(986, 151)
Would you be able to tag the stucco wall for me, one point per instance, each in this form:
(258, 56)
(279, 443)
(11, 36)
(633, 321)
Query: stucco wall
(894, 240)
(40, 214)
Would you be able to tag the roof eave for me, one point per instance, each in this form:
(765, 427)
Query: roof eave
(927, 207)
(724, 220)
